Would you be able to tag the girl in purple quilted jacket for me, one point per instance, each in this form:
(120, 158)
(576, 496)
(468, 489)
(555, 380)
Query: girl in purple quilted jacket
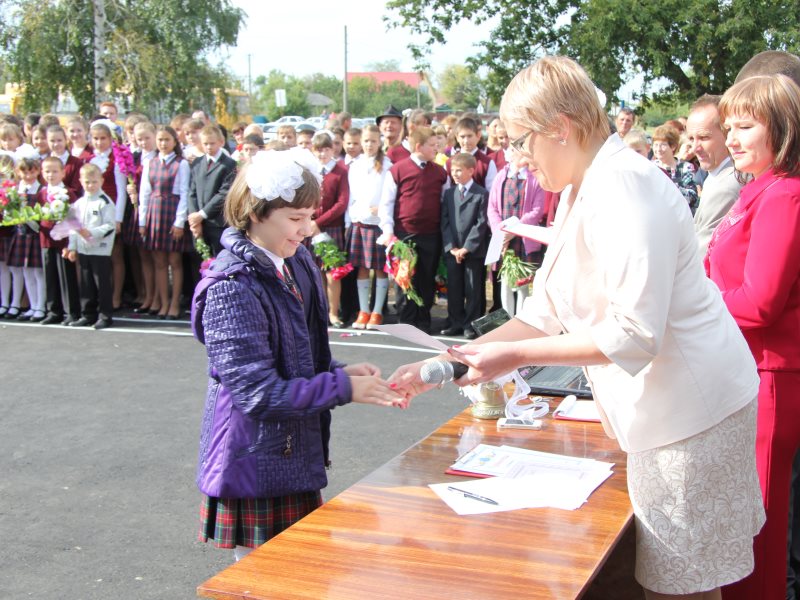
(262, 314)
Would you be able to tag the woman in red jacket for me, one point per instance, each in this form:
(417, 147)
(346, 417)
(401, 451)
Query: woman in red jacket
(754, 258)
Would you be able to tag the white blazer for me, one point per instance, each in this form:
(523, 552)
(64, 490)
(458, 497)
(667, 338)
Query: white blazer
(623, 265)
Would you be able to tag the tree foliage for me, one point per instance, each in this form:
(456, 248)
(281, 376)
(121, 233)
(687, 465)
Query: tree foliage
(694, 46)
(365, 97)
(157, 50)
(461, 87)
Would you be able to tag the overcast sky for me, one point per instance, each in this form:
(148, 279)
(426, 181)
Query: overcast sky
(307, 36)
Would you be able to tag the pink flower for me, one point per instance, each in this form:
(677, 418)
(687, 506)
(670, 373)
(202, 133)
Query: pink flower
(124, 159)
(341, 272)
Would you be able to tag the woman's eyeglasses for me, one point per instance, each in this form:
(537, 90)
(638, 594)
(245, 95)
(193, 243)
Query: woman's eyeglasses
(519, 144)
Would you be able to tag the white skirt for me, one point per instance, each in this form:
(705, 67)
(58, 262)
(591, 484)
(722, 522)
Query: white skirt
(697, 504)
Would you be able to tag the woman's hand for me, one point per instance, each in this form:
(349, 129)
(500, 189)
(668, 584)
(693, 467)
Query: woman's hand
(368, 389)
(177, 233)
(362, 369)
(407, 381)
(486, 361)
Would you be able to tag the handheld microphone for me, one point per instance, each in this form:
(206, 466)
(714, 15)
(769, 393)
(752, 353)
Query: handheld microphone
(438, 372)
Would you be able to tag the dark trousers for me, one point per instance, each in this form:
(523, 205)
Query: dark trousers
(213, 236)
(61, 281)
(96, 287)
(793, 538)
(466, 290)
(348, 301)
(429, 249)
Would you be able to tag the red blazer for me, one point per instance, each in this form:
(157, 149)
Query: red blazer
(335, 198)
(397, 153)
(754, 258)
(45, 241)
(72, 175)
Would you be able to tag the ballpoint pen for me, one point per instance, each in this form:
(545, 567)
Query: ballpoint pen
(471, 495)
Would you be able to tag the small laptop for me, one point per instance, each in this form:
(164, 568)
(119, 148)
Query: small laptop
(547, 381)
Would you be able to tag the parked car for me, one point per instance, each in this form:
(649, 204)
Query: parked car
(288, 120)
(317, 122)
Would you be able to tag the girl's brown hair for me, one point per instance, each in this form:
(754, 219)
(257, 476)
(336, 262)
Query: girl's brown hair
(241, 204)
(773, 100)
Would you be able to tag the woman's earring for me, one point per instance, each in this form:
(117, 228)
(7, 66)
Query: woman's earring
(562, 141)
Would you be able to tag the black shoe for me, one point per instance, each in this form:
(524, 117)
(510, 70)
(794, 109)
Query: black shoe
(82, 322)
(51, 320)
(470, 334)
(141, 311)
(103, 323)
(37, 318)
(12, 313)
(451, 331)
(69, 320)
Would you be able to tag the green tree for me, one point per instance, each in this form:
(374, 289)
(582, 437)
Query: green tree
(383, 66)
(461, 87)
(296, 92)
(157, 50)
(695, 46)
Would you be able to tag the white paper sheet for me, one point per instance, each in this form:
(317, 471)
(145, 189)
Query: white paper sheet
(543, 235)
(411, 334)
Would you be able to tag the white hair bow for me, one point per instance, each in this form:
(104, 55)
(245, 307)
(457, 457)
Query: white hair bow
(276, 174)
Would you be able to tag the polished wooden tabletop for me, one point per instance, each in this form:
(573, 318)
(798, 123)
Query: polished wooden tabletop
(390, 536)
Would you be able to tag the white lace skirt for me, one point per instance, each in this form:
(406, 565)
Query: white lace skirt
(697, 504)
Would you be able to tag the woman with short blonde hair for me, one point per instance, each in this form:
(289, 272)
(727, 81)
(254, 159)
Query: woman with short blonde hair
(621, 293)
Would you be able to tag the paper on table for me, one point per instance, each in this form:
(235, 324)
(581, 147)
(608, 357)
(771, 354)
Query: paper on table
(503, 491)
(411, 334)
(543, 235)
(577, 410)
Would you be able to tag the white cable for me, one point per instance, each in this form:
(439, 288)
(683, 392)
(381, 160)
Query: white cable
(539, 408)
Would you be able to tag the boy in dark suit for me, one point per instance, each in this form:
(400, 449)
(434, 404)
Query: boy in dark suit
(212, 176)
(465, 238)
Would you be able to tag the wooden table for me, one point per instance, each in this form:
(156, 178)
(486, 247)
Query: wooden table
(390, 536)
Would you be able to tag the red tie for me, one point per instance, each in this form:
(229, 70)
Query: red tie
(287, 278)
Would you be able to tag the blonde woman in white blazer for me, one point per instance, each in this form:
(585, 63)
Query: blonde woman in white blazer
(622, 292)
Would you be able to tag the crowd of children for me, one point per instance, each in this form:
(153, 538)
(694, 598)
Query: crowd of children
(141, 196)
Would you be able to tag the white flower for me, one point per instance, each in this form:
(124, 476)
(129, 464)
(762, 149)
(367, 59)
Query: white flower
(56, 205)
(321, 237)
(276, 174)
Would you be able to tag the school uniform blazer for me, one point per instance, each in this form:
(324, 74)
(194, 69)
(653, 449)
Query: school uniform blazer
(464, 222)
(335, 198)
(754, 258)
(208, 187)
(72, 175)
(623, 267)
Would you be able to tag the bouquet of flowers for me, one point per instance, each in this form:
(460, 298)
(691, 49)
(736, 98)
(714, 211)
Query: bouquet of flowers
(15, 211)
(124, 160)
(401, 259)
(515, 272)
(204, 250)
(333, 259)
(56, 208)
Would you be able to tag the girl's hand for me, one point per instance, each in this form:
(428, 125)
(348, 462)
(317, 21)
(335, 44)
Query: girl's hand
(177, 233)
(407, 381)
(373, 390)
(486, 361)
(84, 233)
(362, 369)
(141, 232)
(131, 190)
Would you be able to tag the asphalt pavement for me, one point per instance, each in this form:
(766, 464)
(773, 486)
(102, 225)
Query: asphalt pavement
(98, 447)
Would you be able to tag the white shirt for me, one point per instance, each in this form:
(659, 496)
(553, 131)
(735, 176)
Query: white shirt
(623, 267)
(180, 187)
(101, 160)
(366, 186)
(491, 171)
(64, 158)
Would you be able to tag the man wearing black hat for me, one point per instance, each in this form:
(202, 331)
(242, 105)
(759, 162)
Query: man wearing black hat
(391, 125)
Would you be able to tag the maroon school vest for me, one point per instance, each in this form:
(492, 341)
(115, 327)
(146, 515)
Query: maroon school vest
(417, 208)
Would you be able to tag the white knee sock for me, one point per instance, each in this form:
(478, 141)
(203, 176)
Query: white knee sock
(239, 552)
(381, 290)
(34, 284)
(18, 285)
(5, 284)
(363, 286)
(507, 298)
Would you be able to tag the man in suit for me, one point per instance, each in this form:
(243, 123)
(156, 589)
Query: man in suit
(465, 239)
(721, 188)
(212, 177)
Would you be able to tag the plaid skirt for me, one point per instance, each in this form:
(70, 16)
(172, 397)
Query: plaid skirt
(24, 249)
(158, 226)
(336, 232)
(5, 242)
(251, 522)
(130, 226)
(363, 250)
